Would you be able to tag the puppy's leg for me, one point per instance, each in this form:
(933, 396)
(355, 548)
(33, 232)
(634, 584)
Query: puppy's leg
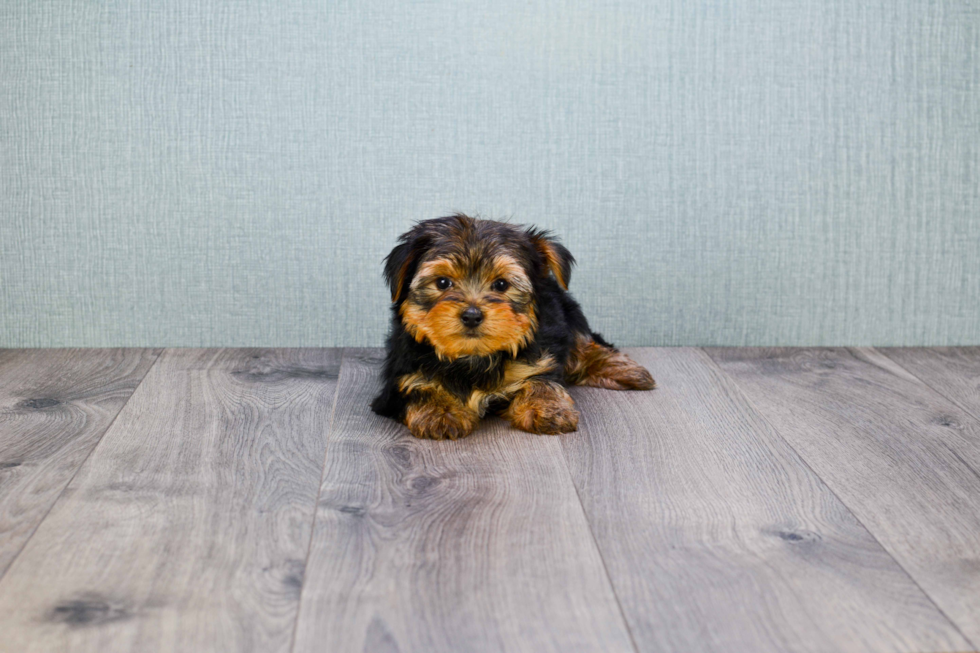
(598, 365)
(433, 417)
(435, 413)
(542, 406)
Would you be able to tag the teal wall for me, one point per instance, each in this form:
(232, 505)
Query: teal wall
(740, 172)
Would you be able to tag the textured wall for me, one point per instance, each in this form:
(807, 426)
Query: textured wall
(196, 172)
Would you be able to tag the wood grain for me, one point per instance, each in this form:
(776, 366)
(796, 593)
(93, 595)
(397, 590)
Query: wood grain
(187, 528)
(718, 537)
(953, 372)
(902, 457)
(55, 405)
(474, 545)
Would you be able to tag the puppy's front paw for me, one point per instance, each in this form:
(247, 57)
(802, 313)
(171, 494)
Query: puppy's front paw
(543, 407)
(436, 421)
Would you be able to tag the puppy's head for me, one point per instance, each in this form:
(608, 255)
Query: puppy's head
(467, 286)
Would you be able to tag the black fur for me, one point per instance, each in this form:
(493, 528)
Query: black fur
(559, 316)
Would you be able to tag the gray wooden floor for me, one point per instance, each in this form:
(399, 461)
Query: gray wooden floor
(248, 500)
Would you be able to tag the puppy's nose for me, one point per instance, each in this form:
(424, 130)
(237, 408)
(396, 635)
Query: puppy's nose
(471, 317)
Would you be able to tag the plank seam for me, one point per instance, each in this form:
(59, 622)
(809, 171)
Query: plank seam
(80, 465)
(316, 504)
(942, 395)
(598, 549)
(806, 463)
(936, 390)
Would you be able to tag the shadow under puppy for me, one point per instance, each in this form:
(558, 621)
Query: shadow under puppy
(482, 322)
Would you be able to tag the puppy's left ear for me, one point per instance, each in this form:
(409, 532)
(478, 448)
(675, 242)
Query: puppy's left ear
(401, 263)
(554, 255)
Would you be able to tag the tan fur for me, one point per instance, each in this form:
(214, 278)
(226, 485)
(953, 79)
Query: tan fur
(543, 407)
(438, 414)
(516, 375)
(417, 382)
(503, 327)
(551, 258)
(592, 364)
(400, 280)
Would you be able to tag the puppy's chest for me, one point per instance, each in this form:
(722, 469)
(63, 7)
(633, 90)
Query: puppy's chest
(462, 379)
(499, 384)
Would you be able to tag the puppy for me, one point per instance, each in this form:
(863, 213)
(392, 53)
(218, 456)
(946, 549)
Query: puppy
(482, 322)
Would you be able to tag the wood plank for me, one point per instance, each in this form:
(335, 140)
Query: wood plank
(718, 537)
(188, 526)
(475, 544)
(902, 457)
(953, 372)
(55, 405)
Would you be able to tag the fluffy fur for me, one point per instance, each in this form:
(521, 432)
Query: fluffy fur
(482, 322)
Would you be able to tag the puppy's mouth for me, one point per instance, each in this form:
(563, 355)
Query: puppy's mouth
(472, 334)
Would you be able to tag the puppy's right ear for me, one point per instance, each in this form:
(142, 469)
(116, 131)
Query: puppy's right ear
(556, 256)
(401, 263)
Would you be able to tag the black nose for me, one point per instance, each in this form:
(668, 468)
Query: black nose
(472, 316)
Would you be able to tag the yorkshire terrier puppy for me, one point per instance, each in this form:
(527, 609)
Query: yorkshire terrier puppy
(482, 322)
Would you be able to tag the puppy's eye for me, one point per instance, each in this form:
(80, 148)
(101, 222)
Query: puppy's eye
(500, 285)
(442, 283)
